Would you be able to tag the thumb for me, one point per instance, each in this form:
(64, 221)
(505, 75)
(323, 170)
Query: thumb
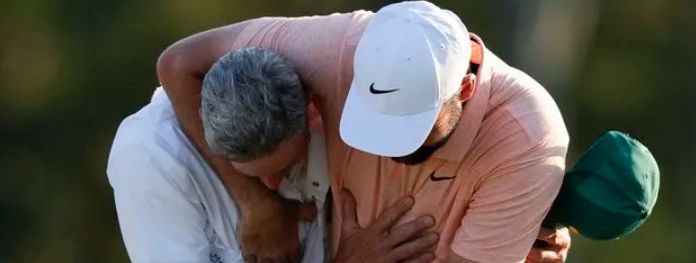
(546, 234)
(350, 220)
(307, 211)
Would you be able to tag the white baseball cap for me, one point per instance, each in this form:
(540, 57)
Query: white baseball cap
(411, 59)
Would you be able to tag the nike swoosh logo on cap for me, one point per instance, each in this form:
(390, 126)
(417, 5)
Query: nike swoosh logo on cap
(377, 91)
(432, 177)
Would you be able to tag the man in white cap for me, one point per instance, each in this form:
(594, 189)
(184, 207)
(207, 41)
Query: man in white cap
(413, 105)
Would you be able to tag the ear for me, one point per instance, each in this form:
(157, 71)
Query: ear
(468, 87)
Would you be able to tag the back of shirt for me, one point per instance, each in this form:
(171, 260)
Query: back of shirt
(170, 204)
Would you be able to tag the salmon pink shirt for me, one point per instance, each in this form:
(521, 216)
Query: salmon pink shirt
(488, 188)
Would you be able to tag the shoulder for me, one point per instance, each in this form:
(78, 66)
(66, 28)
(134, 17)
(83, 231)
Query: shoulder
(149, 149)
(316, 45)
(315, 26)
(528, 104)
(522, 123)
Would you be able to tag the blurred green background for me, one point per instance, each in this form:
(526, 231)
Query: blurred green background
(71, 70)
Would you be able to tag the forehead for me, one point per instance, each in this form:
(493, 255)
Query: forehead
(285, 155)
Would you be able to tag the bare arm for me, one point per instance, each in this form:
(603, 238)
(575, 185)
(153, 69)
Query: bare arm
(181, 69)
(268, 222)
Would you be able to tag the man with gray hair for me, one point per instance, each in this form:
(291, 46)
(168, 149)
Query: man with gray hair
(171, 205)
(237, 121)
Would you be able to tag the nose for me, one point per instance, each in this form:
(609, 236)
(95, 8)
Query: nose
(272, 181)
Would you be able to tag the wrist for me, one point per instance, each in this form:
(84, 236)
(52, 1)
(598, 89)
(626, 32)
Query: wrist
(248, 192)
(254, 196)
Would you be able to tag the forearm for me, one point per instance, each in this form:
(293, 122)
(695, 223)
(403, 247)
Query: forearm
(181, 69)
(243, 188)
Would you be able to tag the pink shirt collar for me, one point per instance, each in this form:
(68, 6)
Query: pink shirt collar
(463, 136)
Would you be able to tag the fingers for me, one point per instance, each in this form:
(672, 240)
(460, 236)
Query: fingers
(534, 254)
(350, 219)
(307, 211)
(563, 239)
(414, 247)
(425, 258)
(551, 257)
(404, 232)
(557, 239)
(392, 214)
(546, 233)
(542, 252)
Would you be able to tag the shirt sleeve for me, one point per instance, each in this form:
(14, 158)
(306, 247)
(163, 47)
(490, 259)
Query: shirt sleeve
(160, 219)
(506, 211)
(313, 44)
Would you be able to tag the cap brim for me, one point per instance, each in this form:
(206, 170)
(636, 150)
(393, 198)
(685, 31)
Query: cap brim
(382, 134)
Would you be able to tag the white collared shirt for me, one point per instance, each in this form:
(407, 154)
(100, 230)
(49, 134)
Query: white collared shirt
(172, 207)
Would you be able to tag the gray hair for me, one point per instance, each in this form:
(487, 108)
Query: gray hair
(251, 101)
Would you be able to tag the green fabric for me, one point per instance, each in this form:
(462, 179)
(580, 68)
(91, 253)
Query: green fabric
(610, 191)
